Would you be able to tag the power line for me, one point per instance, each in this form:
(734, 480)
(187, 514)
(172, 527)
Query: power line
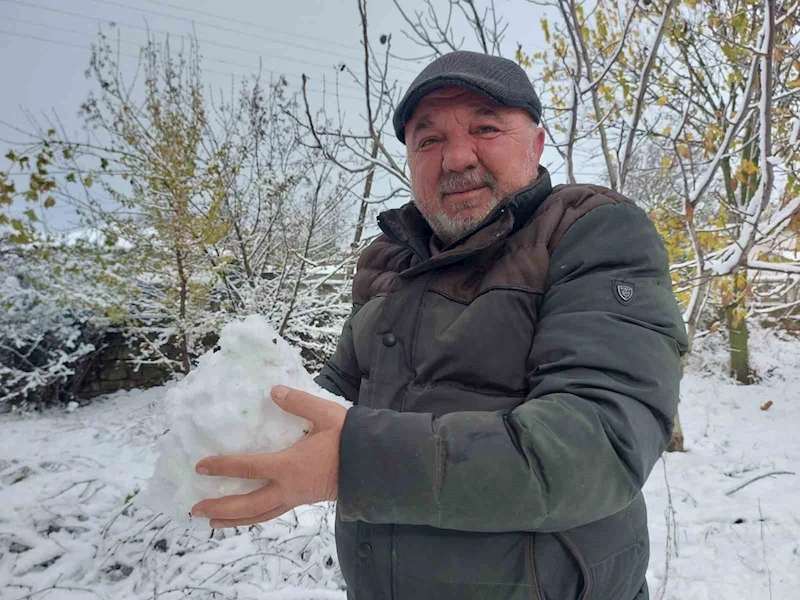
(250, 70)
(245, 23)
(265, 28)
(161, 31)
(216, 25)
(83, 33)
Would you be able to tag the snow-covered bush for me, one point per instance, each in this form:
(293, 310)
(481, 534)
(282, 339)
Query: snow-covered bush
(42, 341)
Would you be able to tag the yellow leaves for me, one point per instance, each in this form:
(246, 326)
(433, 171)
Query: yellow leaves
(712, 134)
(666, 162)
(545, 29)
(662, 101)
(795, 83)
(602, 28)
(738, 315)
(667, 131)
(729, 52)
(683, 151)
(748, 167)
(740, 23)
(523, 60)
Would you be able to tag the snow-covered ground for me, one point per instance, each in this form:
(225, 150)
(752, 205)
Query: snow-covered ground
(68, 528)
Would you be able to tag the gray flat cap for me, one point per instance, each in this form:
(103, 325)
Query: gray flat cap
(502, 80)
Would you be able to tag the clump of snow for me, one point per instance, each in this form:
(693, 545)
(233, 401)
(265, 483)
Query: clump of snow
(224, 407)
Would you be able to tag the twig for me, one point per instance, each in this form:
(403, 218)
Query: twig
(764, 548)
(107, 526)
(141, 560)
(746, 483)
(58, 587)
(672, 536)
(86, 481)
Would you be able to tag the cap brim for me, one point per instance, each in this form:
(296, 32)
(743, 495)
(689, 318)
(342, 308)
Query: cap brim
(470, 82)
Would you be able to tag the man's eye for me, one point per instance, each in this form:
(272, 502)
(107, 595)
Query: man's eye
(427, 142)
(487, 129)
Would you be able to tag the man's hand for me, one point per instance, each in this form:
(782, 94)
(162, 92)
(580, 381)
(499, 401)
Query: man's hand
(304, 473)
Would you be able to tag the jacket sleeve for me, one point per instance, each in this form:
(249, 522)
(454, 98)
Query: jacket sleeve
(341, 375)
(603, 376)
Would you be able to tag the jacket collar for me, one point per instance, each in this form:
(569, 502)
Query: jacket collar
(406, 225)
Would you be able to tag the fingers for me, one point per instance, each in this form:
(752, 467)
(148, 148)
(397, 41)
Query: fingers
(266, 516)
(244, 466)
(243, 506)
(302, 404)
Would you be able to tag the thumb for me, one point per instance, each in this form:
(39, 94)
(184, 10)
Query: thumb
(301, 404)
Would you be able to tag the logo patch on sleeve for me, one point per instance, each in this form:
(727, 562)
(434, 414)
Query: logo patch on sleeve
(624, 292)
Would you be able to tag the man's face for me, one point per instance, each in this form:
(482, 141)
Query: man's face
(466, 154)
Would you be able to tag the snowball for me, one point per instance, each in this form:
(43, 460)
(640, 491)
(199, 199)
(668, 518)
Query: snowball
(72, 406)
(224, 407)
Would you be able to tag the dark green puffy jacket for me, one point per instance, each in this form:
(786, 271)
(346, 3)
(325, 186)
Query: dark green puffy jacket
(513, 393)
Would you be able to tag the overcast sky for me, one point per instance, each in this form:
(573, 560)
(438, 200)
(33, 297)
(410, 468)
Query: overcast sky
(44, 44)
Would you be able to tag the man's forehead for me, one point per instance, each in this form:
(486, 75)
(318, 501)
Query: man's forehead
(453, 95)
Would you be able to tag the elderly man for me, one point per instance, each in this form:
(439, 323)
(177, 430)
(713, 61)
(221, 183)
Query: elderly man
(513, 357)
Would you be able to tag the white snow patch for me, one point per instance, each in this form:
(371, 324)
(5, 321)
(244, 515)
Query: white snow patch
(720, 547)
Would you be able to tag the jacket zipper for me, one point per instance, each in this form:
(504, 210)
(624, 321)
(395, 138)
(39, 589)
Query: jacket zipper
(537, 592)
(566, 538)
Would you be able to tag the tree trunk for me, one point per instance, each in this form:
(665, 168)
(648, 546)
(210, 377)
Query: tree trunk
(184, 289)
(738, 334)
(362, 213)
(676, 442)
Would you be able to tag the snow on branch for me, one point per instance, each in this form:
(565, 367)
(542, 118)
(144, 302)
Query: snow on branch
(774, 266)
(742, 114)
(732, 257)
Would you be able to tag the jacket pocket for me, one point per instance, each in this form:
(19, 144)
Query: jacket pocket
(615, 550)
(557, 570)
(457, 565)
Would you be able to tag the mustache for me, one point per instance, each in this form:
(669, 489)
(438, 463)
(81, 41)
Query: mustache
(471, 178)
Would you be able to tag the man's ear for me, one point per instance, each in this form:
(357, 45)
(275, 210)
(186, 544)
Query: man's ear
(539, 141)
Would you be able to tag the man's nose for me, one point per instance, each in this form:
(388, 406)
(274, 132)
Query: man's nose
(458, 154)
